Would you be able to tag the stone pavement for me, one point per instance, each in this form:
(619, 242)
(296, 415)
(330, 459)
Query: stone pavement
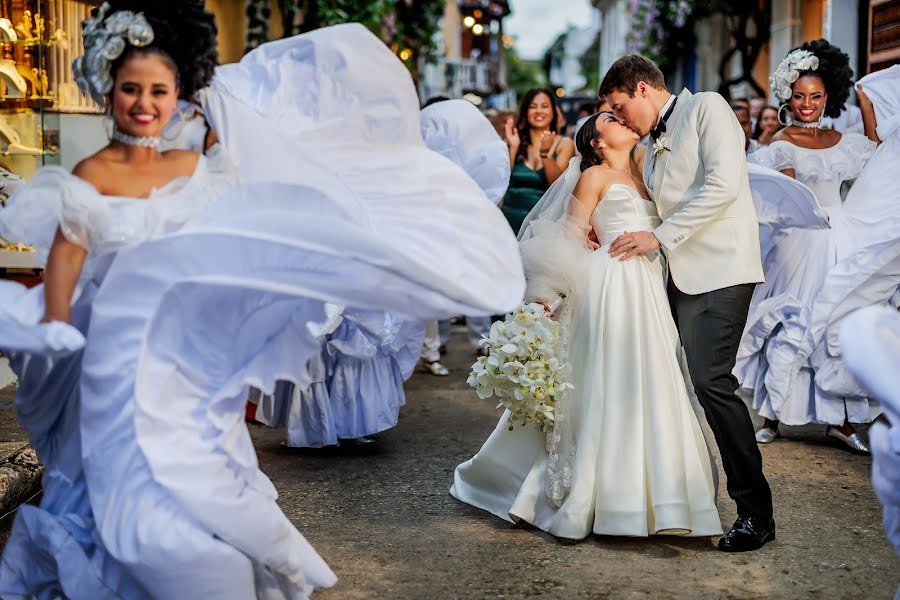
(384, 521)
(19, 470)
(382, 518)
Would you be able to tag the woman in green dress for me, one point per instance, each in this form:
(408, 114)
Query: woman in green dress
(538, 155)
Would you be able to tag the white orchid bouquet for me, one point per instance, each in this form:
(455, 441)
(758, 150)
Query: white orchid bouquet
(522, 368)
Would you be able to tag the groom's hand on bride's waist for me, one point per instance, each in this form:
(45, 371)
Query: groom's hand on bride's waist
(629, 245)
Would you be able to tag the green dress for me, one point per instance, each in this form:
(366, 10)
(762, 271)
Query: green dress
(526, 186)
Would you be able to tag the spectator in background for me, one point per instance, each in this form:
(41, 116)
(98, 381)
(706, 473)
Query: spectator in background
(600, 106)
(538, 154)
(743, 116)
(586, 110)
(767, 125)
(741, 102)
(498, 119)
(756, 107)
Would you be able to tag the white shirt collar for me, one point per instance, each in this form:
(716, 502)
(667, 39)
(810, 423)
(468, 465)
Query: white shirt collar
(665, 108)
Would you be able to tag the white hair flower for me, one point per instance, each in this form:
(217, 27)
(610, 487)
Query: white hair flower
(105, 39)
(788, 72)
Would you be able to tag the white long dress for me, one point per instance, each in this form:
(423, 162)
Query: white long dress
(641, 464)
(190, 297)
(311, 103)
(870, 274)
(785, 388)
(870, 340)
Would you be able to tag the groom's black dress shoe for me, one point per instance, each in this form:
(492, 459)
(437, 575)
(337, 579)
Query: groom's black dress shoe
(748, 533)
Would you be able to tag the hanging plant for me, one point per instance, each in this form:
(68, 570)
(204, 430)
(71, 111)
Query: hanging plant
(662, 29)
(290, 10)
(259, 14)
(408, 27)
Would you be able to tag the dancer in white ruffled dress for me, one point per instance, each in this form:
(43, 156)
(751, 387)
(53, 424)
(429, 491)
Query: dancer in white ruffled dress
(869, 275)
(813, 81)
(357, 381)
(627, 455)
(170, 290)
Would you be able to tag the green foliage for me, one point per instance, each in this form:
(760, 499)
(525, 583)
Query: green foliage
(590, 66)
(259, 13)
(409, 27)
(522, 75)
(663, 30)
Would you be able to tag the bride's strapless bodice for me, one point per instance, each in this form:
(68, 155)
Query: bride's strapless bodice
(622, 209)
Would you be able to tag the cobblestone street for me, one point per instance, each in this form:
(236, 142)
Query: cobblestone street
(384, 521)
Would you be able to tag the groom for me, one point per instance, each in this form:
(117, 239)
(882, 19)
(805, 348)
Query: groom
(696, 171)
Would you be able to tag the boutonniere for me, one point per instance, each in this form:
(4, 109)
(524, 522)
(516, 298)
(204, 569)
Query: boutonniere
(659, 146)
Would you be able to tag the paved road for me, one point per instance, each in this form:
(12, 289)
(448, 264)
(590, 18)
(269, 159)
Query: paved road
(384, 521)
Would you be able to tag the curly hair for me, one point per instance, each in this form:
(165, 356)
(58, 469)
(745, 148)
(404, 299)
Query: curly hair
(584, 141)
(184, 34)
(834, 71)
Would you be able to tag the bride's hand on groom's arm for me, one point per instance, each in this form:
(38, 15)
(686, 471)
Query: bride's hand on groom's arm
(592, 240)
(629, 245)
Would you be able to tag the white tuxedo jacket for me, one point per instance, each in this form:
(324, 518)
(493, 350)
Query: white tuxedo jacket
(709, 229)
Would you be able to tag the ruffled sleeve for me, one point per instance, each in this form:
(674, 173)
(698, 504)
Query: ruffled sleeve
(53, 198)
(221, 170)
(838, 163)
(777, 155)
(883, 89)
(855, 152)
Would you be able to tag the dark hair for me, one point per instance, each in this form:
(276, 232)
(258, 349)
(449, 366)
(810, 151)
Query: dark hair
(737, 107)
(435, 100)
(834, 71)
(584, 141)
(588, 107)
(522, 120)
(184, 35)
(757, 131)
(625, 74)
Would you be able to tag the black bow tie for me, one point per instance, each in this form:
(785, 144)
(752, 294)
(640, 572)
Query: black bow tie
(658, 131)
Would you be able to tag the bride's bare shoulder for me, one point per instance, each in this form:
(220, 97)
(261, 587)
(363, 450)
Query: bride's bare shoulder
(598, 175)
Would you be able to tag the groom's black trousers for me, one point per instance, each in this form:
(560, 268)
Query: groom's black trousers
(710, 326)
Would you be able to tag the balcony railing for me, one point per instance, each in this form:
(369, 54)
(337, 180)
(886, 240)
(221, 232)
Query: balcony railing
(468, 76)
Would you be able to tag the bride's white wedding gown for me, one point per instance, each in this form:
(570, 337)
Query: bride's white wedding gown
(641, 464)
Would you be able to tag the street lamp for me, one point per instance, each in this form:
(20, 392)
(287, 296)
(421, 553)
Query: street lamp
(478, 29)
(469, 21)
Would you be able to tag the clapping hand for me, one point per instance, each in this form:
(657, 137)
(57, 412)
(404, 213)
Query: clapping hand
(546, 141)
(511, 134)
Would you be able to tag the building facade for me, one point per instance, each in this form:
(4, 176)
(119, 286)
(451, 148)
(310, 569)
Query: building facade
(867, 30)
(472, 62)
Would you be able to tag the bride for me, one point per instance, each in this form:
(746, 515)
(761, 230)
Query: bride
(627, 455)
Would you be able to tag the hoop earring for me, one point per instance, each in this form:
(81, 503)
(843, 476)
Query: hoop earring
(787, 121)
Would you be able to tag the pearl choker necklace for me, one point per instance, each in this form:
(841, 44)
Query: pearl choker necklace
(133, 140)
(804, 125)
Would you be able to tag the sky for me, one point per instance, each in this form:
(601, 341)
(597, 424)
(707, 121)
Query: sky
(536, 23)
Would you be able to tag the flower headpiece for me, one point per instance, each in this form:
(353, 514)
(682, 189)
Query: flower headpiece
(789, 71)
(105, 40)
